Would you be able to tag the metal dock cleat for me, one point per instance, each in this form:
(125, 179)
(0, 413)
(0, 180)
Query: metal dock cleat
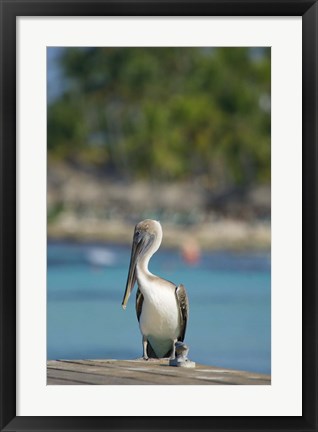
(181, 358)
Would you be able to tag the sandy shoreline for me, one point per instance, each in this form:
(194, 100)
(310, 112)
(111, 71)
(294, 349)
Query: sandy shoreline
(219, 235)
(85, 207)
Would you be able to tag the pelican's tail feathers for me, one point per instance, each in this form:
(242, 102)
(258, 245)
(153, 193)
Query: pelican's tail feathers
(150, 351)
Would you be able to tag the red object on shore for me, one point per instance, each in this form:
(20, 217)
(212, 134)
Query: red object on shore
(190, 252)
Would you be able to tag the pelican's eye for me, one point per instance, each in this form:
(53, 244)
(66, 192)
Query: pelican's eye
(137, 236)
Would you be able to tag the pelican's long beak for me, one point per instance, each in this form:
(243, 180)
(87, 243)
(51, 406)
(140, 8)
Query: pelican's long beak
(131, 279)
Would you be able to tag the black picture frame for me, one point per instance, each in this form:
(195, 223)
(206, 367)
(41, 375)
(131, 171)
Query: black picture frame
(10, 10)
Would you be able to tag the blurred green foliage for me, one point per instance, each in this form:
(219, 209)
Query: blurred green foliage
(165, 113)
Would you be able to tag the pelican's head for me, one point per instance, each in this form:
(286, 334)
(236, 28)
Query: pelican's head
(146, 240)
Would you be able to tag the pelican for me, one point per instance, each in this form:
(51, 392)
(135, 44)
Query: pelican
(162, 307)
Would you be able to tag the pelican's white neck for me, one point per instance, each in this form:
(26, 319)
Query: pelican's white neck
(142, 265)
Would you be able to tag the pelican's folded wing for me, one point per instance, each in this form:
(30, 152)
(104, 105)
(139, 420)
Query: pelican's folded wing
(183, 303)
(139, 302)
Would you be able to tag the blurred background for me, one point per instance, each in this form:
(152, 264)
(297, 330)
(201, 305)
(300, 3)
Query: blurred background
(181, 135)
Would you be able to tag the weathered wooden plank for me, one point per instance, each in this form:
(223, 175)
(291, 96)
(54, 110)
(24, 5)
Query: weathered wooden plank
(140, 372)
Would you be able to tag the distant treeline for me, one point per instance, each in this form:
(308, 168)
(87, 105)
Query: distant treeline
(165, 113)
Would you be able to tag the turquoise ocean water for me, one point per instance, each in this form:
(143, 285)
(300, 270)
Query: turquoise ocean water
(229, 294)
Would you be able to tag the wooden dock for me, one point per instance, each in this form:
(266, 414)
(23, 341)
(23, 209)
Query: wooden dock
(141, 372)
